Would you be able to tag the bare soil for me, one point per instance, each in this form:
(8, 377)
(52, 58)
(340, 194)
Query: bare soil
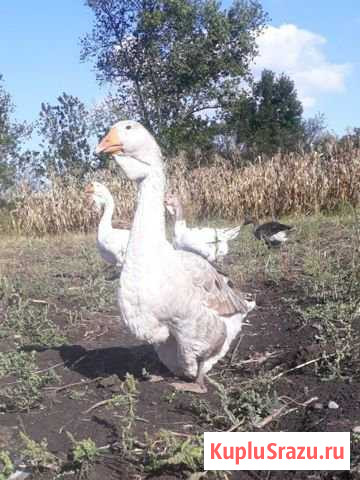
(277, 349)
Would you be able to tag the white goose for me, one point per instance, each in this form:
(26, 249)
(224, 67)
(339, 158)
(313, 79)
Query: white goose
(210, 243)
(111, 242)
(170, 298)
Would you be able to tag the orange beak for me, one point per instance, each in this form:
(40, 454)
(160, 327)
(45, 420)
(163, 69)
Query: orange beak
(110, 143)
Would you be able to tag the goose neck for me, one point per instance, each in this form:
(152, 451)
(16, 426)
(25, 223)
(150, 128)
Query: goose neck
(106, 219)
(149, 222)
(179, 213)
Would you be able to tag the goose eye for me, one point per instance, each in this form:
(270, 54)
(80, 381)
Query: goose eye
(128, 127)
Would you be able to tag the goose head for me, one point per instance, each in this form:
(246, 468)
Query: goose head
(98, 194)
(134, 148)
(249, 220)
(173, 204)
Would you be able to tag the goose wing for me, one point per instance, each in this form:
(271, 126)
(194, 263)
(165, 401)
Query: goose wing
(214, 288)
(198, 241)
(226, 234)
(271, 228)
(201, 235)
(116, 242)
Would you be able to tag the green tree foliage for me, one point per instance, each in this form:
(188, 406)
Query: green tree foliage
(173, 61)
(270, 118)
(105, 113)
(66, 132)
(11, 136)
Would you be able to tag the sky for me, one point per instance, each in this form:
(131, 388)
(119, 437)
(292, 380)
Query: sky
(315, 42)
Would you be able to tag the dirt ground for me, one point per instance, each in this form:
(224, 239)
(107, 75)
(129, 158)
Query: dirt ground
(294, 367)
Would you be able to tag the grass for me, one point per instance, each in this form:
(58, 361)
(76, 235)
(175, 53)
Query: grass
(7, 467)
(84, 454)
(37, 455)
(171, 452)
(32, 324)
(302, 342)
(22, 381)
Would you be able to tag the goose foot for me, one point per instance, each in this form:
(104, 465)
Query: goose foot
(155, 378)
(189, 387)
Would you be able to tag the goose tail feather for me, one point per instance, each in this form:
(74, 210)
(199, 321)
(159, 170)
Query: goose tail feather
(230, 233)
(235, 322)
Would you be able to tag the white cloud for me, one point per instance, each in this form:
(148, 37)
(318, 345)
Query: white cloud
(299, 53)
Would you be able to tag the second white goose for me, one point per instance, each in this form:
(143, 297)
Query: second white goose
(111, 242)
(210, 243)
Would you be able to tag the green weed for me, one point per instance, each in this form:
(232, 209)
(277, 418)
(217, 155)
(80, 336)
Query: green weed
(23, 390)
(84, 454)
(7, 467)
(37, 455)
(172, 452)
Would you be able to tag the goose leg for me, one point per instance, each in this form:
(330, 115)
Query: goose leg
(196, 387)
(168, 354)
(189, 387)
(155, 378)
(201, 375)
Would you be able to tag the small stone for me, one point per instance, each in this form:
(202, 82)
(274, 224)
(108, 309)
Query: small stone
(20, 475)
(318, 406)
(318, 326)
(333, 405)
(109, 381)
(356, 429)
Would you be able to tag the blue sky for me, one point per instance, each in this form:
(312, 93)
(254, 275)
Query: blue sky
(315, 42)
(336, 92)
(40, 53)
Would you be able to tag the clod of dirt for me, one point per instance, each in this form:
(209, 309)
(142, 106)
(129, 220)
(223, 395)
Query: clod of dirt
(333, 405)
(8, 437)
(113, 383)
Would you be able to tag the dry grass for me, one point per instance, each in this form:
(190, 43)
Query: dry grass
(64, 208)
(285, 184)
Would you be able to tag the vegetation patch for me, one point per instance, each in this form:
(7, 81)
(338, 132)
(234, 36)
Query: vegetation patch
(21, 381)
(68, 362)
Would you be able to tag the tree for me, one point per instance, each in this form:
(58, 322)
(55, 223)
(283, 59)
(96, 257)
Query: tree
(172, 61)
(11, 135)
(314, 131)
(66, 133)
(352, 138)
(270, 118)
(105, 113)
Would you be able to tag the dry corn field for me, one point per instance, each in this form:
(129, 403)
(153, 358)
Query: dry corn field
(286, 184)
